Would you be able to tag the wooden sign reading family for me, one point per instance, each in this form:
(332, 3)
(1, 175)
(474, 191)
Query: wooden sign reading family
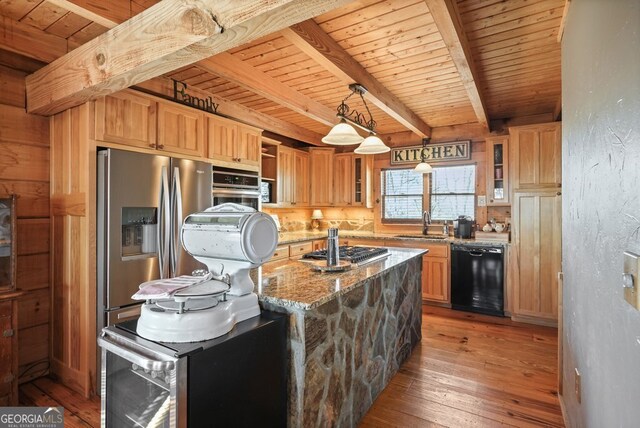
(434, 153)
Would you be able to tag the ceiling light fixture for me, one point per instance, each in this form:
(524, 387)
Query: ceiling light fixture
(423, 167)
(344, 134)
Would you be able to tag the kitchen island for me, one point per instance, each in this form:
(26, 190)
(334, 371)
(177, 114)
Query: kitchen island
(349, 332)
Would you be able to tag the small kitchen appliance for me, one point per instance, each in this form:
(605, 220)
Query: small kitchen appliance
(230, 239)
(462, 227)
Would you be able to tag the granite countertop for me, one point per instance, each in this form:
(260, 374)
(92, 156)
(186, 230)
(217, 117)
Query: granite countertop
(294, 284)
(293, 237)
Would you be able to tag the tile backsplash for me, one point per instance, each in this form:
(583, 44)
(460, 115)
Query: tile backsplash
(298, 220)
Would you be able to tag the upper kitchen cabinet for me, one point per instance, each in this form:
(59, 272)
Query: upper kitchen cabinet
(233, 143)
(293, 177)
(126, 118)
(343, 179)
(321, 163)
(536, 156)
(180, 130)
(497, 155)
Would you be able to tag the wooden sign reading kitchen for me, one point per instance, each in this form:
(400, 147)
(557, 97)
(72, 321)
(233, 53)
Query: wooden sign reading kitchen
(434, 153)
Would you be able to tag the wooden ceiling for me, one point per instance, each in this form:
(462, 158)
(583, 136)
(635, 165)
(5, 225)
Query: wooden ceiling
(430, 63)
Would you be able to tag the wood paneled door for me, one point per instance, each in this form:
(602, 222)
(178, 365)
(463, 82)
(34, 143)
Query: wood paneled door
(126, 118)
(536, 156)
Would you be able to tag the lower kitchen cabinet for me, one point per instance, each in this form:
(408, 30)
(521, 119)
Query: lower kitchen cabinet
(535, 259)
(8, 351)
(435, 269)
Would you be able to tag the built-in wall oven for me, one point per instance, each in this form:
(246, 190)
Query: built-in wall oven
(236, 186)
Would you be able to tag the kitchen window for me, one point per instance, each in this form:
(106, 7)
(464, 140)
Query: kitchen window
(449, 191)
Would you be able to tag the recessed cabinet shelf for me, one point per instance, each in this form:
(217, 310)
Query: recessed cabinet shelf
(497, 170)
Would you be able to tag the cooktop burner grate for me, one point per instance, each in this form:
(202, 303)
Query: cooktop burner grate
(349, 253)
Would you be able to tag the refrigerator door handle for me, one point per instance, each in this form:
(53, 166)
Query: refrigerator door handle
(163, 223)
(176, 210)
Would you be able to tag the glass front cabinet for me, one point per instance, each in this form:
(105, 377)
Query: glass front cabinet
(497, 150)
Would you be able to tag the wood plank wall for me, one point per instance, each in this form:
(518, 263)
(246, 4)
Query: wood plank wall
(24, 171)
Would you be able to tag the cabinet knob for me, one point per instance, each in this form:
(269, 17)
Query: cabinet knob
(161, 146)
(152, 145)
(7, 333)
(558, 193)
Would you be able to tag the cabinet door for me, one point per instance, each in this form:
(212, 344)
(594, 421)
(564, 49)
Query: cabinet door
(8, 354)
(321, 180)
(180, 130)
(497, 168)
(221, 136)
(536, 156)
(343, 179)
(435, 279)
(301, 178)
(126, 118)
(285, 176)
(248, 146)
(535, 263)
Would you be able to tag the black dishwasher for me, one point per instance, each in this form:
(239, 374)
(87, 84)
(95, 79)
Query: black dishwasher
(477, 278)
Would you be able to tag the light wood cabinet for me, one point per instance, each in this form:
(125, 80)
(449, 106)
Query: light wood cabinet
(497, 168)
(292, 177)
(126, 118)
(229, 141)
(298, 250)
(8, 350)
(343, 179)
(435, 269)
(536, 156)
(535, 259)
(362, 172)
(321, 179)
(180, 130)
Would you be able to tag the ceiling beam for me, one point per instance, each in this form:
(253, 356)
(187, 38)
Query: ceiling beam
(29, 41)
(109, 17)
(563, 21)
(445, 15)
(163, 87)
(316, 43)
(241, 73)
(180, 32)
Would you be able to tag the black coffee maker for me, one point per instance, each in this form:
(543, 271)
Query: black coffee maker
(462, 227)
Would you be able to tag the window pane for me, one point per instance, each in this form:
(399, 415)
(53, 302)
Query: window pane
(449, 207)
(402, 207)
(454, 179)
(402, 182)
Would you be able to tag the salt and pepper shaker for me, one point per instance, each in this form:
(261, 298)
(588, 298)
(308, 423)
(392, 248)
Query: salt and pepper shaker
(333, 251)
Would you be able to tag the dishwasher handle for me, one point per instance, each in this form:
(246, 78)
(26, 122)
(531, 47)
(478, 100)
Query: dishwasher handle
(477, 251)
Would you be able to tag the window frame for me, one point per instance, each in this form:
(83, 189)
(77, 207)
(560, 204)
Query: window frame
(426, 191)
(473, 194)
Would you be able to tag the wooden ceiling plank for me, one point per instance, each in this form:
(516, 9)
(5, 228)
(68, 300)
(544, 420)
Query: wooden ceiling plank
(29, 41)
(163, 87)
(81, 37)
(235, 70)
(181, 32)
(446, 17)
(17, 10)
(43, 15)
(68, 25)
(313, 41)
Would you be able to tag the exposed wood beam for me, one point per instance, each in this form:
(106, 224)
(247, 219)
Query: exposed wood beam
(445, 15)
(241, 73)
(163, 87)
(563, 21)
(313, 41)
(117, 11)
(181, 32)
(30, 41)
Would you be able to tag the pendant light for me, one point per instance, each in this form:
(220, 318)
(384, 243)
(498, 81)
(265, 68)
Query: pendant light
(344, 133)
(423, 167)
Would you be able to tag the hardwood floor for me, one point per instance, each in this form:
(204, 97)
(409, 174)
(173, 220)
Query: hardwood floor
(469, 371)
(472, 370)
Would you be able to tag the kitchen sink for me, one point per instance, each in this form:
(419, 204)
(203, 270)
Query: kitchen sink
(421, 236)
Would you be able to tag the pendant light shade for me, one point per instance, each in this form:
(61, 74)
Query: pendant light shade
(423, 168)
(372, 145)
(342, 134)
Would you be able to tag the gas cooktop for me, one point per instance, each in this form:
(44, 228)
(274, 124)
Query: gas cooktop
(354, 255)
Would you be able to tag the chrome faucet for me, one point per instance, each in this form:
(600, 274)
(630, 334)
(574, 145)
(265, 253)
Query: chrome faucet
(445, 228)
(426, 221)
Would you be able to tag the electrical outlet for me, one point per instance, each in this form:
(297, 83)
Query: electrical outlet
(482, 201)
(578, 386)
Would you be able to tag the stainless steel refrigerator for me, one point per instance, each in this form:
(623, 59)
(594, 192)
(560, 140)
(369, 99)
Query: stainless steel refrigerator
(142, 201)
